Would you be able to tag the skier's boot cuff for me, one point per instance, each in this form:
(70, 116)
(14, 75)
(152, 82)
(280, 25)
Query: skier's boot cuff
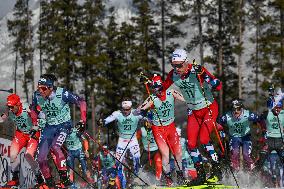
(50, 182)
(39, 179)
(201, 176)
(64, 178)
(169, 179)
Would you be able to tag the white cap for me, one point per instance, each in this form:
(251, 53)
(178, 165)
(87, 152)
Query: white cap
(179, 55)
(126, 104)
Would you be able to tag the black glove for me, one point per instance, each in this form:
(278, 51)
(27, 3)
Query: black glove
(100, 122)
(275, 111)
(198, 68)
(80, 126)
(33, 134)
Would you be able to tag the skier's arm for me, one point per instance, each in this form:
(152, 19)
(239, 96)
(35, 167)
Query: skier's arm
(4, 116)
(253, 117)
(211, 79)
(177, 95)
(148, 103)
(69, 97)
(110, 118)
(169, 81)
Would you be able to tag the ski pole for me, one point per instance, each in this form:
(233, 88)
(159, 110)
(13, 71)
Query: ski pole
(7, 90)
(95, 141)
(160, 121)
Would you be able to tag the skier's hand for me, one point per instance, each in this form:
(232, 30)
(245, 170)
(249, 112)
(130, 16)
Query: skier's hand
(80, 126)
(100, 122)
(276, 111)
(87, 154)
(222, 134)
(198, 69)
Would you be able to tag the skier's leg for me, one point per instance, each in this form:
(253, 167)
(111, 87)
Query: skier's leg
(193, 127)
(19, 141)
(120, 148)
(159, 135)
(247, 148)
(235, 152)
(135, 152)
(70, 162)
(158, 165)
(174, 144)
(43, 150)
(175, 147)
(206, 128)
(62, 131)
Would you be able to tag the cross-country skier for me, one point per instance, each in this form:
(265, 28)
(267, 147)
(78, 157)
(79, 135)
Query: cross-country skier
(53, 104)
(26, 135)
(106, 165)
(127, 124)
(78, 151)
(196, 83)
(162, 105)
(237, 124)
(151, 154)
(272, 121)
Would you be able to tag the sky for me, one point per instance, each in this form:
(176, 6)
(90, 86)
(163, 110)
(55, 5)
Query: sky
(6, 6)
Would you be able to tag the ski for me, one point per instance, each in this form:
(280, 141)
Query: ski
(203, 186)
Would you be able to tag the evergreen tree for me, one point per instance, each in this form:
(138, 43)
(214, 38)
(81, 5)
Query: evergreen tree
(59, 39)
(173, 14)
(261, 59)
(21, 30)
(220, 38)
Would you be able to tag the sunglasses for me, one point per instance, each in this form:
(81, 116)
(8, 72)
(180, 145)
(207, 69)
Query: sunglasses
(11, 107)
(43, 88)
(126, 110)
(177, 65)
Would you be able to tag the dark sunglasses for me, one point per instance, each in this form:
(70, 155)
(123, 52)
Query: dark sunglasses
(237, 109)
(43, 88)
(126, 110)
(156, 85)
(177, 65)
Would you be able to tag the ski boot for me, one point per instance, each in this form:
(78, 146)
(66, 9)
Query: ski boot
(216, 173)
(64, 179)
(14, 183)
(169, 179)
(50, 183)
(40, 182)
(201, 176)
(180, 178)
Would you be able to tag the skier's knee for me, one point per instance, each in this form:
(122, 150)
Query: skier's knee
(204, 139)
